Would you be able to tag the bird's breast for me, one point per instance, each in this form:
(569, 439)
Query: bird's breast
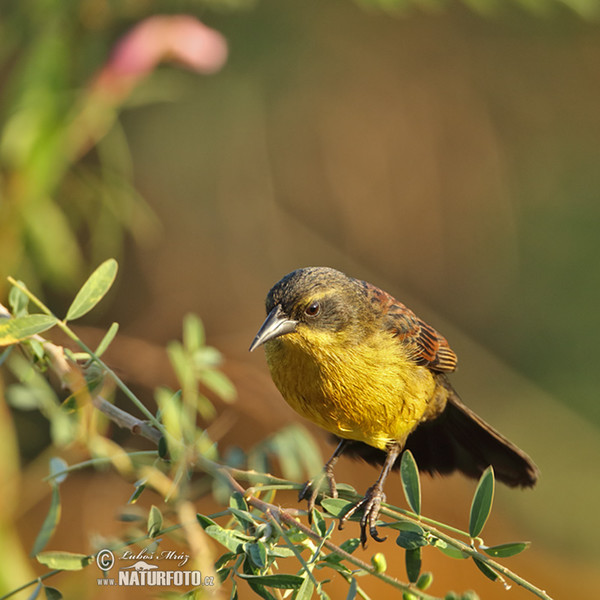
(371, 392)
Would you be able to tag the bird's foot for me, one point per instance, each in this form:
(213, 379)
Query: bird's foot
(311, 489)
(371, 505)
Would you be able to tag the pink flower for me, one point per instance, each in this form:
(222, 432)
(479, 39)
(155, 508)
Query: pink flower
(179, 38)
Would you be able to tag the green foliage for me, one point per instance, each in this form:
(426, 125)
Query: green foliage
(255, 534)
(20, 328)
(65, 561)
(409, 474)
(93, 290)
(587, 9)
(482, 502)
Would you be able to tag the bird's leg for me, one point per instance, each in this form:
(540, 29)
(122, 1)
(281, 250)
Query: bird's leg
(371, 503)
(310, 491)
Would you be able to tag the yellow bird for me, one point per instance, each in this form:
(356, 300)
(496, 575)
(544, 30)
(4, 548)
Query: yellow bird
(361, 365)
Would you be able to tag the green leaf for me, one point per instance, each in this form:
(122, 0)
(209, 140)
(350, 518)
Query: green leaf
(243, 517)
(349, 546)
(352, 590)
(238, 501)
(93, 290)
(50, 522)
(487, 571)
(450, 551)
(52, 593)
(225, 537)
(18, 301)
(155, 521)
(336, 507)
(318, 522)
(506, 550)
(234, 592)
(280, 552)
(223, 560)
(409, 473)
(109, 336)
(413, 564)
(20, 328)
(305, 592)
(281, 581)
(66, 561)
(219, 384)
(193, 333)
(257, 553)
(411, 540)
(205, 521)
(138, 492)
(163, 448)
(482, 502)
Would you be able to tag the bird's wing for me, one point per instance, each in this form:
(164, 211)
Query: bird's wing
(426, 345)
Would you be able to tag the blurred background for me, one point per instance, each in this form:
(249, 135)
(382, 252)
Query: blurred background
(447, 152)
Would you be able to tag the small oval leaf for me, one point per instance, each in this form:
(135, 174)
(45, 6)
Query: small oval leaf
(20, 328)
(413, 564)
(487, 571)
(93, 290)
(506, 550)
(336, 507)
(52, 593)
(66, 561)
(306, 590)
(318, 522)
(225, 537)
(257, 553)
(49, 524)
(238, 501)
(411, 540)
(206, 521)
(155, 521)
(409, 473)
(18, 300)
(451, 551)
(109, 336)
(352, 590)
(482, 502)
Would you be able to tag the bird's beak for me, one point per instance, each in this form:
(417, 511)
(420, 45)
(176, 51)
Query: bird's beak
(275, 324)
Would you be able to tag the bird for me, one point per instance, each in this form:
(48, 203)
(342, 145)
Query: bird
(355, 361)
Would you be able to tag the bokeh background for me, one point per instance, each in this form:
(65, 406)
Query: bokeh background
(446, 152)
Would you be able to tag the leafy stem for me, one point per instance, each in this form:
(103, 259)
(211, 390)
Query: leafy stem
(62, 325)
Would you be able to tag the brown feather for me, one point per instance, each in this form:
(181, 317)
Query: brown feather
(428, 347)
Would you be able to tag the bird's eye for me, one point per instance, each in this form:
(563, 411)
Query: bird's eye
(313, 309)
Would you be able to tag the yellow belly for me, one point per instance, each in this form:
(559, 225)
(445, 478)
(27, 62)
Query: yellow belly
(370, 392)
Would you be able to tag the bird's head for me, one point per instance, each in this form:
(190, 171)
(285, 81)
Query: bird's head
(313, 303)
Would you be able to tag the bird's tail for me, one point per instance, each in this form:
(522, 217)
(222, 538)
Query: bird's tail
(459, 440)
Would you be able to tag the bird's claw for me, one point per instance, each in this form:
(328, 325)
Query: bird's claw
(371, 505)
(311, 490)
